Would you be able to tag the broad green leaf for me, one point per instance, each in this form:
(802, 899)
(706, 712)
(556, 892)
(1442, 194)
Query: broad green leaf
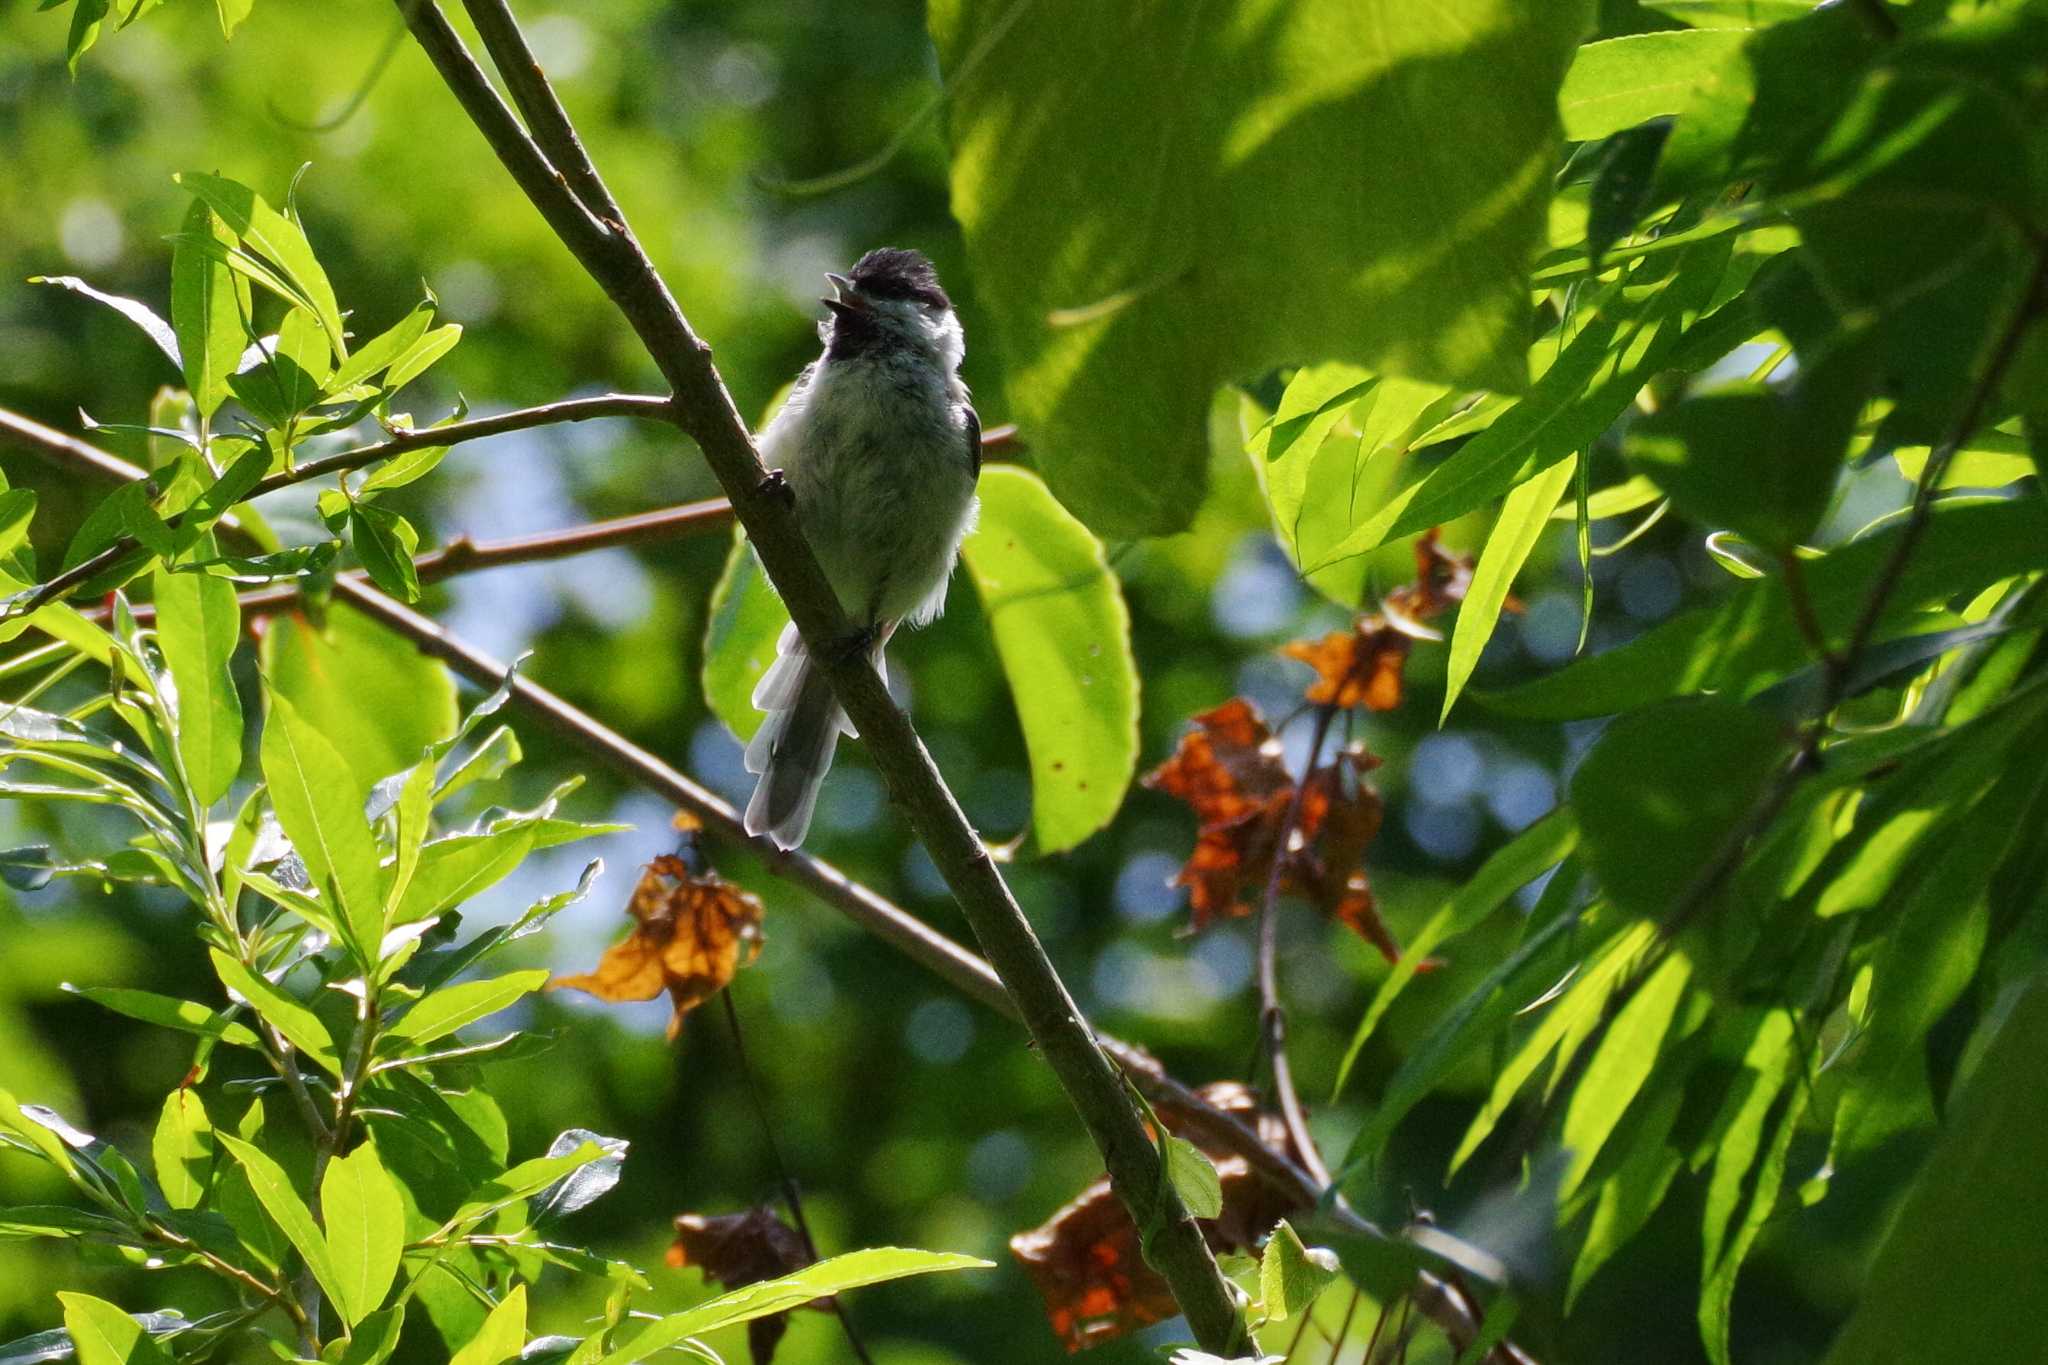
(186, 1015)
(135, 310)
(182, 1148)
(414, 808)
(373, 1341)
(524, 1181)
(1620, 1066)
(1193, 1176)
(1138, 186)
(1725, 14)
(299, 1025)
(385, 542)
(1756, 462)
(452, 870)
(322, 815)
(834, 1275)
(1522, 521)
(1619, 83)
(502, 1336)
(449, 1008)
(379, 700)
(104, 1335)
(1967, 1241)
(364, 1215)
(198, 625)
(85, 31)
(278, 240)
(208, 304)
(1064, 636)
(300, 362)
(1283, 450)
(1662, 790)
(288, 1212)
(1292, 1276)
(1527, 856)
(741, 628)
(403, 469)
(1749, 640)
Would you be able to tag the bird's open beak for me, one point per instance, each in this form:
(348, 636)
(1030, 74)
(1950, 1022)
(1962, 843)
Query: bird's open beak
(848, 298)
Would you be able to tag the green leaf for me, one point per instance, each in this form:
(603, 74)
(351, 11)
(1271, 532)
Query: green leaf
(365, 1219)
(278, 240)
(232, 13)
(1560, 1031)
(375, 356)
(183, 1149)
(1138, 186)
(1749, 640)
(85, 31)
(186, 1015)
(1284, 450)
(1620, 1066)
(834, 1275)
(17, 556)
(502, 1336)
(1619, 83)
(288, 1212)
(1772, 1058)
(299, 1025)
(452, 870)
(1968, 1236)
(385, 542)
(300, 362)
(1627, 340)
(377, 698)
(209, 302)
(742, 625)
(1725, 14)
(135, 310)
(1632, 1191)
(403, 469)
(1193, 1176)
(1064, 636)
(448, 1009)
(198, 626)
(524, 1181)
(1520, 525)
(1527, 856)
(1663, 789)
(322, 814)
(104, 1335)
(1759, 463)
(1292, 1276)
(373, 1341)
(417, 358)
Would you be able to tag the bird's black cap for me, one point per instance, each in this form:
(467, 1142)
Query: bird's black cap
(899, 273)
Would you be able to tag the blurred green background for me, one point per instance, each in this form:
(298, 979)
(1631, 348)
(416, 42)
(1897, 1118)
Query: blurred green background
(908, 1115)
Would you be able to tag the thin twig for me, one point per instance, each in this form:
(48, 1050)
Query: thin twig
(788, 1181)
(705, 410)
(1273, 1014)
(569, 410)
(545, 117)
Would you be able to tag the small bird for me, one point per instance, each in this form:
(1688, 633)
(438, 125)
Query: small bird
(880, 449)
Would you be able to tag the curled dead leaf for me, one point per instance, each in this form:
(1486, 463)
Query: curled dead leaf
(739, 1249)
(692, 930)
(1086, 1259)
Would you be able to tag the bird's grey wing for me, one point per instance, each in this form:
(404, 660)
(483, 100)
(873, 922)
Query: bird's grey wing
(973, 422)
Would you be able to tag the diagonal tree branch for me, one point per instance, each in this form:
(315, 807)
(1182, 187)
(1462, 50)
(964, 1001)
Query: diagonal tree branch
(1094, 1084)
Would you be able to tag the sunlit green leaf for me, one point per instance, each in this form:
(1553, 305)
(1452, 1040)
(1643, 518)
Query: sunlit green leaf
(278, 240)
(364, 1216)
(502, 1335)
(288, 1212)
(104, 1335)
(1522, 521)
(1291, 1275)
(1064, 636)
(1618, 83)
(322, 814)
(299, 1025)
(198, 626)
(182, 1148)
(366, 688)
(451, 1007)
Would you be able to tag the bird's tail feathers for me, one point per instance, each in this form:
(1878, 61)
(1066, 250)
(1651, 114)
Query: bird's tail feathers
(792, 751)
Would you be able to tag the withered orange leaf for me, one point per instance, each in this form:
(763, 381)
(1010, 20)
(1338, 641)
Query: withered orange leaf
(692, 930)
(1086, 1259)
(1441, 580)
(739, 1249)
(1357, 667)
